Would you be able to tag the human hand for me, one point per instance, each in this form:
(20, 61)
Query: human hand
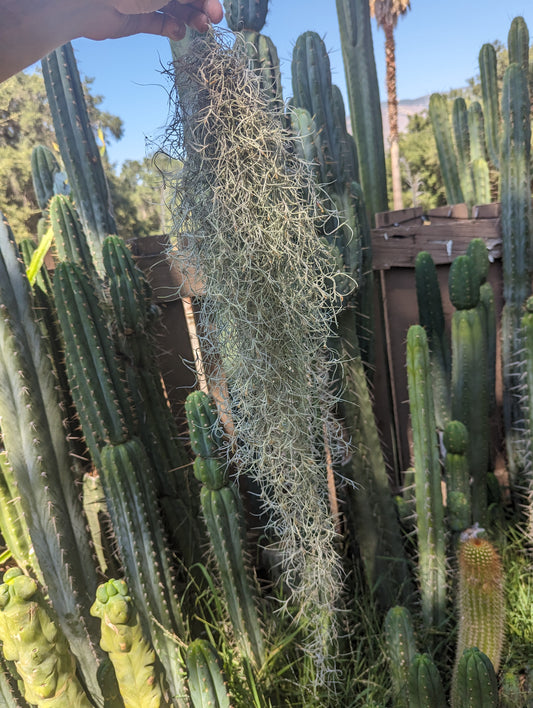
(109, 19)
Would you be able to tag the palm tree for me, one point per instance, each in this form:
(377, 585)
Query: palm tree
(387, 13)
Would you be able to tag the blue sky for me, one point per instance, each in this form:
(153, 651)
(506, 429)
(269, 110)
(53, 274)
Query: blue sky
(437, 48)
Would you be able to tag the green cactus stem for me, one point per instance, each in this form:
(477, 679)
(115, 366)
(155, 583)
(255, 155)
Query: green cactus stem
(458, 495)
(206, 680)
(264, 60)
(370, 506)
(36, 644)
(78, 147)
(431, 317)
(476, 129)
(429, 506)
(401, 651)
(363, 98)
(474, 683)
(126, 479)
(69, 236)
(46, 173)
(526, 486)
(462, 148)
(246, 14)
(481, 605)
(470, 395)
(425, 685)
(223, 517)
(440, 121)
(135, 663)
(488, 71)
(516, 229)
(518, 43)
(39, 456)
(312, 89)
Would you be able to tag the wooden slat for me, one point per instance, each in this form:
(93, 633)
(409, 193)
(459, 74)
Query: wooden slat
(384, 218)
(444, 239)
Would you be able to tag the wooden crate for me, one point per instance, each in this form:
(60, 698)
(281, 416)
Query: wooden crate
(397, 239)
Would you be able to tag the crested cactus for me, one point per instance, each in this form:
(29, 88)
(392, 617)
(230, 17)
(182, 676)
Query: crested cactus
(401, 651)
(364, 105)
(131, 654)
(429, 506)
(474, 684)
(481, 606)
(222, 515)
(431, 317)
(78, 147)
(36, 644)
(205, 676)
(470, 395)
(425, 686)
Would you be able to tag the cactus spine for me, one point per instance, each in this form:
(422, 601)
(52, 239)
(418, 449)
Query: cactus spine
(37, 645)
(429, 507)
(481, 605)
(221, 511)
(131, 654)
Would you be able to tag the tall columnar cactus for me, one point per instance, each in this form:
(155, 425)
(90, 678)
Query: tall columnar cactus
(364, 104)
(264, 60)
(527, 481)
(440, 121)
(458, 494)
(401, 651)
(205, 676)
(518, 43)
(138, 675)
(516, 231)
(222, 515)
(46, 175)
(246, 14)
(78, 147)
(69, 235)
(127, 475)
(312, 89)
(476, 130)
(39, 456)
(36, 644)
(470, 395)
(474, 683)
(429, 507)
(425, 688)
(480, 596)
(462, 148)
(488, 71)
(431, 317)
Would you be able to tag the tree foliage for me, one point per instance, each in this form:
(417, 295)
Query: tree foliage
(25, 121)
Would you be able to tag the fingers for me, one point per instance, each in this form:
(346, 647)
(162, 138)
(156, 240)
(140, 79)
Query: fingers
(196, 14)
(152, 23)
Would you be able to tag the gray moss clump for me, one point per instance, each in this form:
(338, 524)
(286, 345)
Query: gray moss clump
(245, 211)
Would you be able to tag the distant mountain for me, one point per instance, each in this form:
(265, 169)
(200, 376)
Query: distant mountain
(406, 108)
